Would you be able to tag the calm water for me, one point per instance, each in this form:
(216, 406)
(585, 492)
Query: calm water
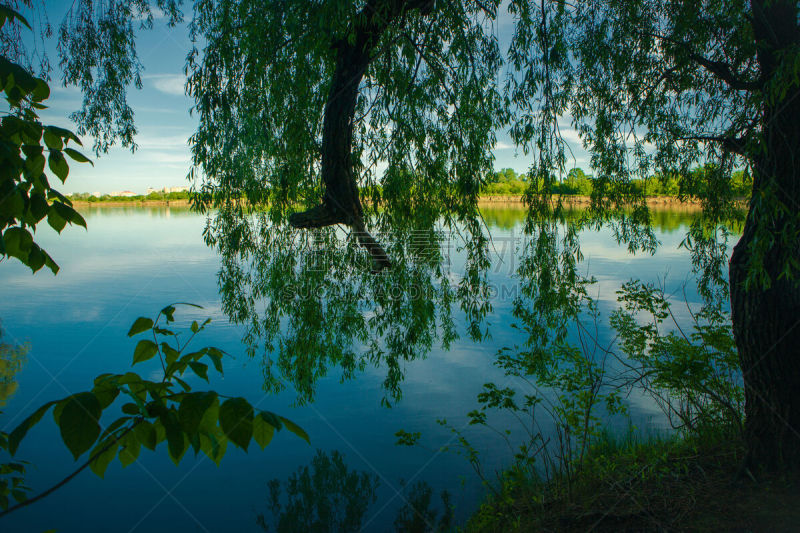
(134, 261)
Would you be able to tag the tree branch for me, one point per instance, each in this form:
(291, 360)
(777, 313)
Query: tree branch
(720, 69)
(735, 145)
(69, 478)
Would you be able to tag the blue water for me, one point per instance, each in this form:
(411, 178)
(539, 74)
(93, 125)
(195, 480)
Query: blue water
(134, 261)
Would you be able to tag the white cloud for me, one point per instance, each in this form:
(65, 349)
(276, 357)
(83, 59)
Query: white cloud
(163, 142)
(571, 135)
(167, 83)
(500, 145)
(166, 157)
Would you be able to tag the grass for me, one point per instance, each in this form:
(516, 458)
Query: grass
(649, 483)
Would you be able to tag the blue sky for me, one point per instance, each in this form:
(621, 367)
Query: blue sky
(161, 111)
(164, 123)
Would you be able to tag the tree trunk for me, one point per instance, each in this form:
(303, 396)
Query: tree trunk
(766, 319)
(341, 203)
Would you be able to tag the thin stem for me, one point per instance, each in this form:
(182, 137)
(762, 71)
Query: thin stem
(64, 481)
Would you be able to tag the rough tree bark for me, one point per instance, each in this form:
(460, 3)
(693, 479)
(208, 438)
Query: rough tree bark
(766, 321)
(341, 203)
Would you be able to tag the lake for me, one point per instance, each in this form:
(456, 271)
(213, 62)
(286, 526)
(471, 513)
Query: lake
(135, 260)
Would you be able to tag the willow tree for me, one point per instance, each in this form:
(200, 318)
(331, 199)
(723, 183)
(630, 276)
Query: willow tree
(657, 87)
(375, 115)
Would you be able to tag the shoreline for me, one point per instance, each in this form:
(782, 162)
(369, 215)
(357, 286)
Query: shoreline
(663, 202)
(654, 202)
(132, 203)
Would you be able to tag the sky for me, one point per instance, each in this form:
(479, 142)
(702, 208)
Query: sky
(164, 122)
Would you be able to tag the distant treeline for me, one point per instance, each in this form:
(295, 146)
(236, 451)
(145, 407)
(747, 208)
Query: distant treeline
(578, 183)
(507, 182)
(153, 196)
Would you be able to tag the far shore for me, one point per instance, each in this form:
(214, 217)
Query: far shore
(132, 203)
(656, 202)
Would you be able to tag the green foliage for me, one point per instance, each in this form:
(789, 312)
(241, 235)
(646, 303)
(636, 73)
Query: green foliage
(99, 56)
(693, 375)
(26, 196)
(646, 481)
(153, 411)
(569, 388)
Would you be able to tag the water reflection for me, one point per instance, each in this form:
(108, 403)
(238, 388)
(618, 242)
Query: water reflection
(159, 211)
(127, 264)
(312, 305)
(12, 359)
(420, 513)
(325, 496)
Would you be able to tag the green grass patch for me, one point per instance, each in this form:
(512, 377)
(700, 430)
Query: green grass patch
(647, 482)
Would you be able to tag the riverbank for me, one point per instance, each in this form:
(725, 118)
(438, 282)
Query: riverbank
(132, 203)
(659, 484)
(654, 202)
(664, 202)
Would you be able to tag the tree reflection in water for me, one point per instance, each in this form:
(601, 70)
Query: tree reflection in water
(327, 497)
(12, 359)
(312, 305)
(323, 497)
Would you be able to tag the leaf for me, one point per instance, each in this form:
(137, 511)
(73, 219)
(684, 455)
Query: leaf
(216, 360)
(185, 386)
(58, 165)
(192, 409)
(56, 221)
(100, 463)
(35, 163)
(236, 420)
(78, 422)
(69, 214)
(200, 369)
(49, 263)
(6, 13)
(130, 409)
(17, 243)
(77, 156)
(170, 354)
(144, 350)
(214, 445)
(169, 312)
(139, 325)
(65, 134)
(272, 419)
(176, 443)
(146, 433)
(130, 450)
(294, 428)
(52, 140)
(19, 432)
(262, 431)
(106, 392)
(35, 258)
(38, 206)
(40, 93)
